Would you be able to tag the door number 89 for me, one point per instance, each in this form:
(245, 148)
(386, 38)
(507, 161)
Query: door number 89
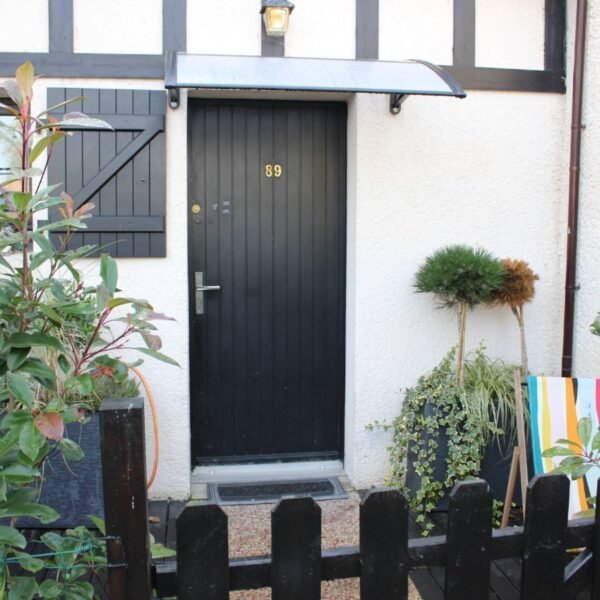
(273, 170)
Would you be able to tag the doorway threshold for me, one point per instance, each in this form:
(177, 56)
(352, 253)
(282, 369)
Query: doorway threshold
(279, 471)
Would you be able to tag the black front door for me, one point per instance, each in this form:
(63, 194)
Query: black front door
(267, 202)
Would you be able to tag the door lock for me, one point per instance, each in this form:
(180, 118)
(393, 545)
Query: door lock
(196, 208)
(200, 289)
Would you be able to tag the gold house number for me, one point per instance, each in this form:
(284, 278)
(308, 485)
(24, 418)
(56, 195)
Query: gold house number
(273, 170)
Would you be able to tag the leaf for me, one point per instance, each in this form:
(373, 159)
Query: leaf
(596, 441)
(64, 364)
(80, 120)
(27, 340)
(9, 440)
(109, 272)
(84, 384)
(99, 523)
(21, 200)
(557, 451)
(152, 341)
(12, 537)
(584, 429)
(71, 451)
(12, 89)
(3, 489)
(51, 589)
(40, 372)
(20, 474)
(29, 563)
(22, 588)
(50, 425)
(158, 356)
(30, 440)
(16, 357)
(18, 386)
(42, 144)
(159, 317)
(51, 313)
(25, 76)
(114, 302)
(161, 551)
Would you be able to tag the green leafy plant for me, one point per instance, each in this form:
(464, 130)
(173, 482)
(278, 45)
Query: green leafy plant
(579, 456)
(595, 327)
(463, 277)
(469, 416)
(59, 337)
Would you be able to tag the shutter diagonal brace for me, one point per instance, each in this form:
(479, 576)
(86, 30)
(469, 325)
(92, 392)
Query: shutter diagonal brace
(150, 128)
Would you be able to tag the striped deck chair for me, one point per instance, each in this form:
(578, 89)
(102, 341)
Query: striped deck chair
(556, 404)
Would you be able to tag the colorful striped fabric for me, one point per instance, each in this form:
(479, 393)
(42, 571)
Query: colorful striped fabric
(556, 404)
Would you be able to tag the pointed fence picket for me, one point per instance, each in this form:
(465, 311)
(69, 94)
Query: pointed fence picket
(383, 560)
(386, 555)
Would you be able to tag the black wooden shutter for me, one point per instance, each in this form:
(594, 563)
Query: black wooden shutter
(122, 172)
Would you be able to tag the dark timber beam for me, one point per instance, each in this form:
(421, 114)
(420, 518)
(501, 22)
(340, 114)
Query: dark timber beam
(555, 36)
(463, 49)
(60, 25)
(174, 25)
(367, 29)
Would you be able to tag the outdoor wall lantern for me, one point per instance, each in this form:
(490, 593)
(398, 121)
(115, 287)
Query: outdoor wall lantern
(276, 14)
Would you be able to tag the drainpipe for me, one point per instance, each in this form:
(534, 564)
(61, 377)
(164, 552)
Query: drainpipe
(576, 128)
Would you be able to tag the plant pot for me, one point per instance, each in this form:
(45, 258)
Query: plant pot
(495, 465)
(73, 489)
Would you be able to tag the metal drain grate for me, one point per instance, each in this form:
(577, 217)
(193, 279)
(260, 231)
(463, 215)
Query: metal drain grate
(272, 491)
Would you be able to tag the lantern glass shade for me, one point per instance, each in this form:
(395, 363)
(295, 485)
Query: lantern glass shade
(276, 20)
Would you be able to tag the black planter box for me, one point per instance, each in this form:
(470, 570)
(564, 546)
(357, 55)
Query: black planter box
(495, 466)
(73, 489)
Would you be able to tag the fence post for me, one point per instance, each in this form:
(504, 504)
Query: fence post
(544, 538)
(384, 546)
(296, 549)
(469, 540)
(125, 501)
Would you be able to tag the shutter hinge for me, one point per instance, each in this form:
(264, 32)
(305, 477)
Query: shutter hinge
(174, 98)
(396, 101)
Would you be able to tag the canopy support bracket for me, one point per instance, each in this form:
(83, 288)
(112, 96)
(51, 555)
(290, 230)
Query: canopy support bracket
(174, 98)
(396, 101)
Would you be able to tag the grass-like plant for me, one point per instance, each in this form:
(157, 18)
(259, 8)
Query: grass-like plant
(518, 288)
(463, 277)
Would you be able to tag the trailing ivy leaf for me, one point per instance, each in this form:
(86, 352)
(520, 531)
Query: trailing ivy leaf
(25, 340)
(19, 388)
(158, 356)
(584, 429)
(109, 272)
(30, 440)
(22, 588)
(11, 537)
(71, 451)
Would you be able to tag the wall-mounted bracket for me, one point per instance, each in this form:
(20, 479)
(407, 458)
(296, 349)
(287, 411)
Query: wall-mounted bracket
(174, 98)
(396, 101)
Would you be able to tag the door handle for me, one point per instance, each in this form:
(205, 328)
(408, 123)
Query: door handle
(200, 289)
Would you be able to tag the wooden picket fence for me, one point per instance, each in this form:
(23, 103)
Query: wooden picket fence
(383, 560)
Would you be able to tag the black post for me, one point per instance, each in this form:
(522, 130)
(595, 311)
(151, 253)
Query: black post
(596, 548)
(384, 546)
(545, 532)
(125, 501)
(469, 541)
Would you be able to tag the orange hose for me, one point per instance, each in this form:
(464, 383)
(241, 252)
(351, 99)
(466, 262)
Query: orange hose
(154, 425)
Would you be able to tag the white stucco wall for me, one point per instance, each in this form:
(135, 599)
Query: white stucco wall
(587, 346)
(510, 34)
(118, 26)
(490, 170)
(231, 27)
(409, 29)
(32, 36)
(322, 29)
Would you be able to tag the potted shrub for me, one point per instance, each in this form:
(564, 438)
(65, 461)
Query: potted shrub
(460, 277)
(59, 336)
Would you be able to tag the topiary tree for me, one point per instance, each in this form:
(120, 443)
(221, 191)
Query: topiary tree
(463, 277)
(517, 289)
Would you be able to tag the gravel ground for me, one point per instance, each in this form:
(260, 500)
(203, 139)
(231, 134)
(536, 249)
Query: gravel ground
(250, 535)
